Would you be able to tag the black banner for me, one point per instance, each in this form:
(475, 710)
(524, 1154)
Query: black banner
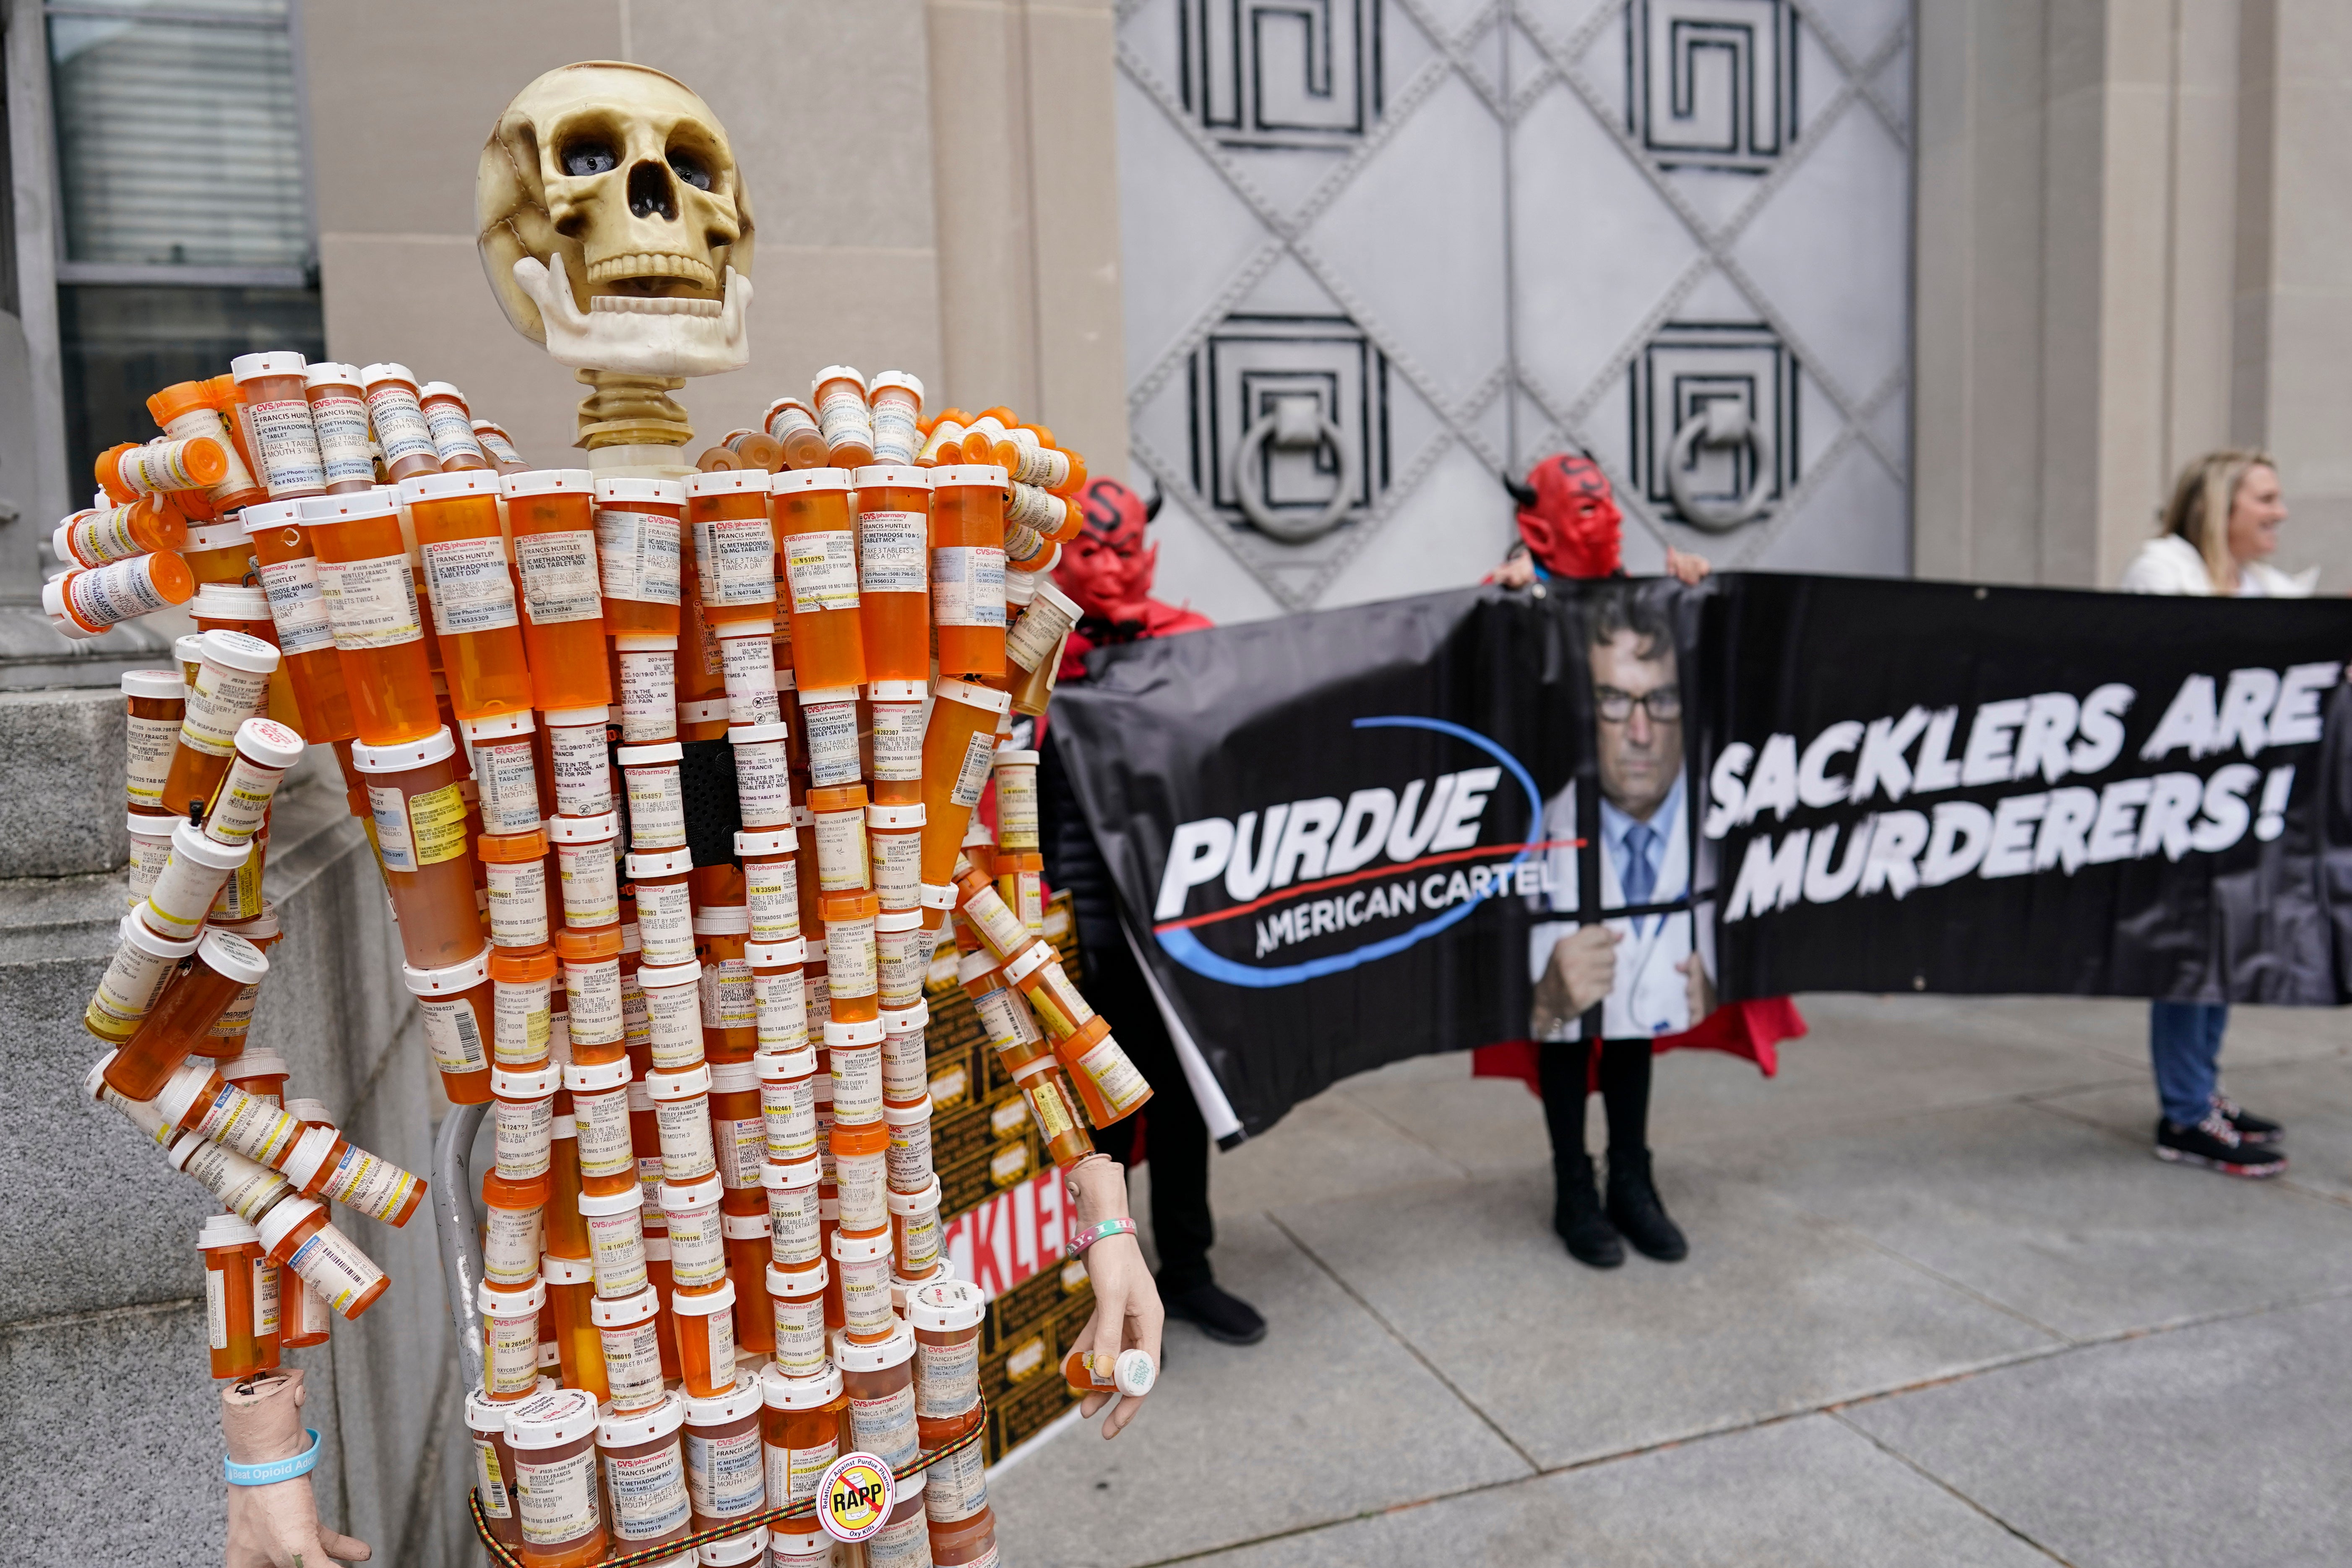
(1345, 838)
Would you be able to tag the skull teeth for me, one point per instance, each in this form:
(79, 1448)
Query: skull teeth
(649, 305)
(651, 263)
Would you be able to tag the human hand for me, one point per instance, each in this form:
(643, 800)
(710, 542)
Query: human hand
(1518, 570)
(1582, 970)
(1698, 991)
(1128, 1314)
(275, 1526)
(1686, 568)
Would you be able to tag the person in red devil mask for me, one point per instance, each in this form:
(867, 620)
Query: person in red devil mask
(1571, 527)
(1107, 571)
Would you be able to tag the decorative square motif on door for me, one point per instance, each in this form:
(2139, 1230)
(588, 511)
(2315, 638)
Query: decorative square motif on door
(1294, 409)
(1682, 371)
(1282, 73)
(1712, 84)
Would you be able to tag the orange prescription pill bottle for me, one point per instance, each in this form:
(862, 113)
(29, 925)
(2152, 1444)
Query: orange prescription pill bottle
(893, 551)
(185, 410)
(289, 572)
(552, 511)
(806, 1419)
(514, 1221)
(693, 1212)
(460, 1016)
(451, 426)
(600, 1111)
(771, 892)
(895, 400)
(746, 1263)
(637, 522)
(506, 775)
(946, 1315)
(219, 551)
(681, 1102)
(371, 598)
(968, 568)
(514, 867)
(879, 1378)
(646, 676)
(498, 446)
(297, 1235)
(915, 1238)
(817, 547)
(184, 1013)
(156, 703)
(278, 419)
(1132, 1372)
(902, 958)
(790, 1187)
(552, 1436)
(1054, 1110)
(85, 603)
(616, 1242)
(466, 575)
(843, 862)
(579, 768)
(829, 734)
(338, 417)
(673, 993)
(763, 775)
(791, 424)
(585, 856)
(959, 753)
(895, 710)
(644, 1476)
(1110, 1085)
(231, 1249)
(630, 1337)
(894, 838)
(1016, 799)
(706, 1337)
(943, 442)
(862, 1265)
(842, 416)
(796, 1302)
(725, 1473)
(905, 1068)
(140, 527)
(746, 665)
(522, 1110)
(665, 905)
(231, 686)
(731, 1018)
(486, 1421)
(579, 1349)
(984, 909)
(910, 1145)
(399, 419)
(739, 1137)
(523, 1015)
(656, 794)
(510, 1339)
(733, 545)
(326, 1165)
(854, 973)
(779, 995)
(592, 988)
(419, 814)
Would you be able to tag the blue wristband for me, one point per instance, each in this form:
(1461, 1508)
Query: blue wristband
(301, 1464)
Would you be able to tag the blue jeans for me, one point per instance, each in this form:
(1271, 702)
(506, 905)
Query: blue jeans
(2184, 1041)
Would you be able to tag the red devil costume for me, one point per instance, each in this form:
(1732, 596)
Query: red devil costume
(1107, 571)
(1571, 527)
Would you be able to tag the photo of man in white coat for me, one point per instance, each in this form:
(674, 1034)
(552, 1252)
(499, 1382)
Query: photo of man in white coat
(1644, 970)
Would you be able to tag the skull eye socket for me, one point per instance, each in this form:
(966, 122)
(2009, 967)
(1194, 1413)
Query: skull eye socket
(690, 169)
(590, 155)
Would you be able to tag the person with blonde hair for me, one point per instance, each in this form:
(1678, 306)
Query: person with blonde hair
(2218, 533)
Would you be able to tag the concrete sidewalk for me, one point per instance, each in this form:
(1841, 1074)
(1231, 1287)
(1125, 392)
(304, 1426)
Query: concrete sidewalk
(1941, 1308)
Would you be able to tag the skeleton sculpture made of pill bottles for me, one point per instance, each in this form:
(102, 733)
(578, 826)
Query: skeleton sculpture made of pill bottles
(616, 231)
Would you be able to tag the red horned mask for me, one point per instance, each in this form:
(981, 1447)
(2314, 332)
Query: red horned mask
(1108, 568)
(1569, 518)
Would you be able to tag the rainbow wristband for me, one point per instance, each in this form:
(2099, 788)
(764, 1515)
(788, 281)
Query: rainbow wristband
(276, 1470)
(1094, 1233)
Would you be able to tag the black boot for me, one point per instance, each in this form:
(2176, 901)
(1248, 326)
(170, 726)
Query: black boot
(1634, 1208)
(1576, 1214)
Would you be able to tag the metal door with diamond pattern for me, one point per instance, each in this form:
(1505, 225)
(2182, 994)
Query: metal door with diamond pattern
(1376, 251)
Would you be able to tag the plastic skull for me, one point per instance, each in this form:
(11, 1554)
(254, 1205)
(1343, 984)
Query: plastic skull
(614, 223)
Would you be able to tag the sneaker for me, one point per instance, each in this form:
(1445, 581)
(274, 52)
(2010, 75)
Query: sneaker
(2252, 1129)
(1637, 1213)
(1577, 1213)
(2214, 1144)
(1225, 1318)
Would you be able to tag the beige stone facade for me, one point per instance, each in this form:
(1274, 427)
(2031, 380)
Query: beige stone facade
(2133, 218)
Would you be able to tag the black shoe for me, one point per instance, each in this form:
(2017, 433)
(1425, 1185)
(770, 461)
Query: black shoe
(2252, 1129)
(1638, 1215)
(1576, 1214)
(1225, 1318)
(2215, 1144)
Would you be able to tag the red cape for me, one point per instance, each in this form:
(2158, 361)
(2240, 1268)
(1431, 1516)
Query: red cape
(1751, 1029)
